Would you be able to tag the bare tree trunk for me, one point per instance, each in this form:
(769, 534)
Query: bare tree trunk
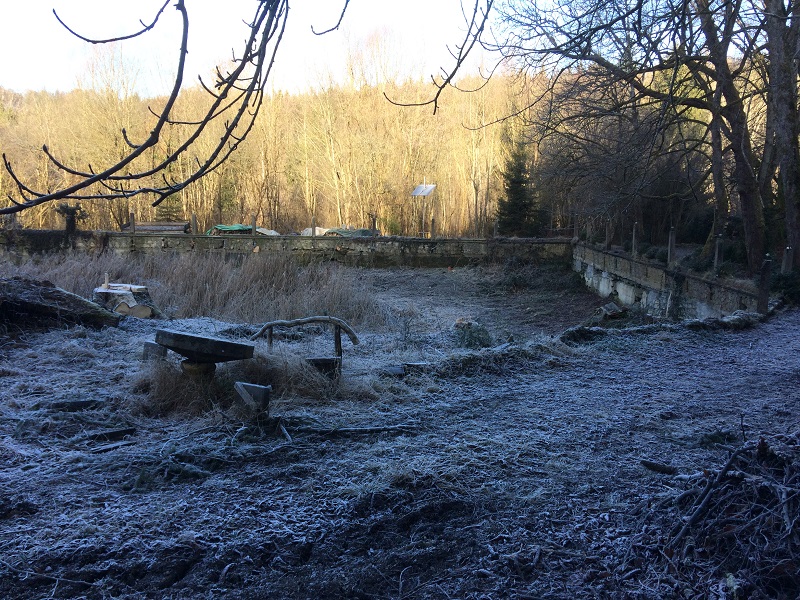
(721, 206)
(782, 44)
(744, 174)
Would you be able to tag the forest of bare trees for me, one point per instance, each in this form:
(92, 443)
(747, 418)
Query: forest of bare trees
(338, 155)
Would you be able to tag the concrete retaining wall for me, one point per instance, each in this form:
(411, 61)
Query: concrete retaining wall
(659, 290)
(362, 252)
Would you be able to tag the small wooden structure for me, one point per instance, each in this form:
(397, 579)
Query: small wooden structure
(201, 353)
(330, 366)
(158, 227)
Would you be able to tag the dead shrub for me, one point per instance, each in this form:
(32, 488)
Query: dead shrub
(166, 389)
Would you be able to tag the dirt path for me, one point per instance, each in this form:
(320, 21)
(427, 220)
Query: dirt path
(512, 472)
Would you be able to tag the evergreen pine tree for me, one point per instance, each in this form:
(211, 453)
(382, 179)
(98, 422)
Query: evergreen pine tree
(170, 210)
(517, 213)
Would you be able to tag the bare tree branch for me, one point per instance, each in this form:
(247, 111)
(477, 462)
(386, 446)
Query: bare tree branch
(477, 25)
(145, 28)
(238, 93)
(338, 23)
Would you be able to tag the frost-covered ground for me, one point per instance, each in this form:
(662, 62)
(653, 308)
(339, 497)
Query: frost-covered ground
(508, 472)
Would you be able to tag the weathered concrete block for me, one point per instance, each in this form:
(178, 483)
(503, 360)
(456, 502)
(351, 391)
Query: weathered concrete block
(254, 396)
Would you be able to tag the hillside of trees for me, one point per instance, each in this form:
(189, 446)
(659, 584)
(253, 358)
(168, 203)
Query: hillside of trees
(339, 155)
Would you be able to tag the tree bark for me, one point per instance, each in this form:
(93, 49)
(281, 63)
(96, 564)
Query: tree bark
(28, 303)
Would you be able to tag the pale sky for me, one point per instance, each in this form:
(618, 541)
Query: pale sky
(38, 54)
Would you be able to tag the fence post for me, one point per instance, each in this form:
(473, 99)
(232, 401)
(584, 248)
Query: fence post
(133, 223)
(717, 251)
(763, 286)
(788, 261)
(313, 232)
(671, 247)
(194, 224)
(634, 244)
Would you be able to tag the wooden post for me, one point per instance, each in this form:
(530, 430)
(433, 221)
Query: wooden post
(337, 340)
(194, 225)
(634, 244)
(269, 339)
(607, 244)
(763, 286)
(589, 231)
(671, 247)
(374, 224)
(313, 232)
(253, 226)
(133, 223)
(717, 251)
(788, 260)
(433, 227)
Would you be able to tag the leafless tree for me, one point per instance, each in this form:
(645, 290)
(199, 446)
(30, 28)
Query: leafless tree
(235, 98)
(688, 55)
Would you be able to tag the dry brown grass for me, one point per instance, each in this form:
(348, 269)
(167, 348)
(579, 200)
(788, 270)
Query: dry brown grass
(165, 389)
(252, 289)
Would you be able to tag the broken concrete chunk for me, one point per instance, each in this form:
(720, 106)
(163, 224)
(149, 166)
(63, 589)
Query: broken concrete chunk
(254, 396)
(612, 311)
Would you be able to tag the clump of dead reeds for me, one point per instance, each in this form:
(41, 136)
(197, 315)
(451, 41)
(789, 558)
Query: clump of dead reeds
(249, 288)
(165, 389)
